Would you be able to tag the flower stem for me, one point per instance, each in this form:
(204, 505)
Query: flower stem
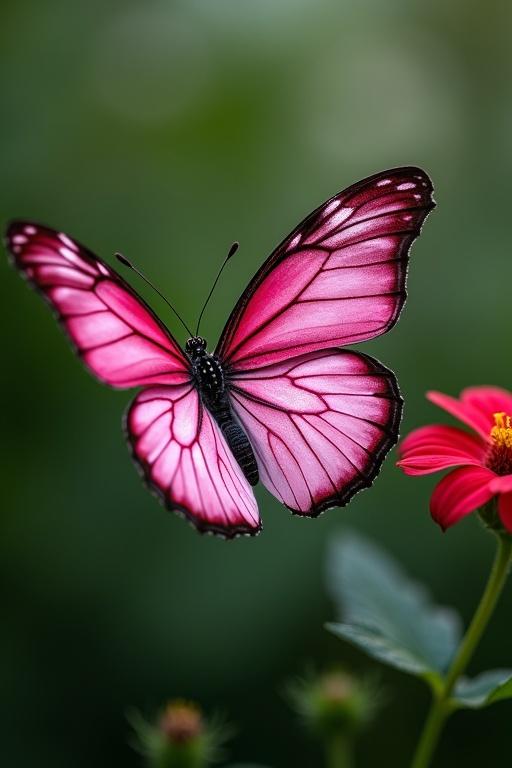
(441, 706)
(338, 752)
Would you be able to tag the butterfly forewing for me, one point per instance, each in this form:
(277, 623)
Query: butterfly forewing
(320, 425)
(339, 278)
(119, 338)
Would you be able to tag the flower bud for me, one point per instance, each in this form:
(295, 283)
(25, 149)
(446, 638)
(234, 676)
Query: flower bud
(181, 722)
(182, 738)
(333, 702)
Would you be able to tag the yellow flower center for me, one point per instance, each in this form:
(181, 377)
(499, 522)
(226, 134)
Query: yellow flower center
(501, 433)
(499, 456)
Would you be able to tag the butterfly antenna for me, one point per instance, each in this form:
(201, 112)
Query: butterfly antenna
(127, 263)
(231, 252)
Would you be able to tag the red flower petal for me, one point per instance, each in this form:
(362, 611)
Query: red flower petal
(432, 448)
(487, 401)
(459, 493)
(501, 484)
(505, 510)
(444, 436)
(466, 411)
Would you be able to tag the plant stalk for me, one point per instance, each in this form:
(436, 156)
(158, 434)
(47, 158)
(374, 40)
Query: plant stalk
(338, 751)
(441, 706)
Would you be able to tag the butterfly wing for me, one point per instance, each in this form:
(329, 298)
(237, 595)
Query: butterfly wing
(187, 463)
(320, 425)
(339, 278)
(119, 338)
(174, 440)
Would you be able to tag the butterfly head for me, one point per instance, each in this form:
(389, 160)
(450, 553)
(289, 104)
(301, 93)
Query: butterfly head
(195, 347)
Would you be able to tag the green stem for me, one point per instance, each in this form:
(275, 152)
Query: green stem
(441, 706)
(338, 752)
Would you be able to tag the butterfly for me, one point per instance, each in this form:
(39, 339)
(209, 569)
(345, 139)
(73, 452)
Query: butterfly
(281, 399)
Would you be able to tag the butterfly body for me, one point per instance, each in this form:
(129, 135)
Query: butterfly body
(207, 370)
(281, 399)
(208, 375)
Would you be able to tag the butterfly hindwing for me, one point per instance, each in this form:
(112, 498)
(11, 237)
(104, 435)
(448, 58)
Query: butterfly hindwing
(186, 461)
(119, 338)
(339, 278)
(320, 425)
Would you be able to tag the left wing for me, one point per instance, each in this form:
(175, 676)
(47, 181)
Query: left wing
(118, 337)
(186, 461)
(337, 279)
(320, 425)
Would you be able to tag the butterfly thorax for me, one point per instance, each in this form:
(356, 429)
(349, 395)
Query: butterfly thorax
(209, 379)
(207, 371)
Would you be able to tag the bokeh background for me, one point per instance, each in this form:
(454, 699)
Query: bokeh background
(166, 130)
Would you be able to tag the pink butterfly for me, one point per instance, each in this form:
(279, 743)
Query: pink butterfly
(278, 399)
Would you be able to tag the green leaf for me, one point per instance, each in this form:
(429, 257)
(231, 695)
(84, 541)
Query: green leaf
(385, 614)
(487, 688)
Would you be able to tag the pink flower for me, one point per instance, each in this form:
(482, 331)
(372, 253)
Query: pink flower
(483, 457)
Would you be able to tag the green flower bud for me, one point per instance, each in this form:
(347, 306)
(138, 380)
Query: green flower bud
(181, 722)
(182, 738)
(333, 703)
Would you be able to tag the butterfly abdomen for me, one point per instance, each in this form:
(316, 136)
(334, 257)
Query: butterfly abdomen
(209, 377)
(235, 437)
(241, 450)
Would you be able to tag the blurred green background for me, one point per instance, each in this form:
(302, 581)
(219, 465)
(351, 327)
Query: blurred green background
(166, 130)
